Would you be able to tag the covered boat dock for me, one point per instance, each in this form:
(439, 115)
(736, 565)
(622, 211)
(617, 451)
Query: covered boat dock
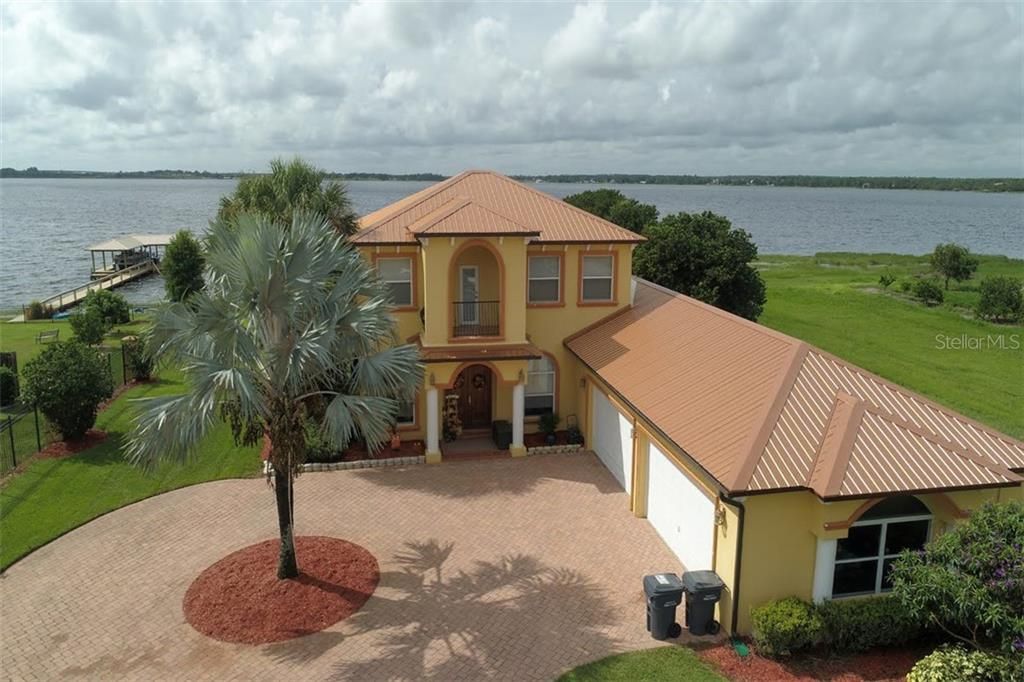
(126, 252)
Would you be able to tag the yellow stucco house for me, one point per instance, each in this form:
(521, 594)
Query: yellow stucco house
(786, 470)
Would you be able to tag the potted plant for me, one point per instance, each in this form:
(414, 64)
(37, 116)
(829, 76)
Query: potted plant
(396, 440)
(548, 424)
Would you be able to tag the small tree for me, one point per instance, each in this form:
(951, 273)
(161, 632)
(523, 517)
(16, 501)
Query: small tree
(111, 306)
(67, 382)
(89, 326)
(886, 280)
(970, 581)
(616, 207)
(928, 292)
(704, 256)
(953, 261)
(291, 186)
(1002, 299)
(182, 266)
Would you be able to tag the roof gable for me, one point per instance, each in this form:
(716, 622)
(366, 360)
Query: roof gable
(483, 202)
(762, 411)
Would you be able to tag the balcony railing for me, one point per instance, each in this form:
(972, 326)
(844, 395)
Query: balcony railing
(476, 318)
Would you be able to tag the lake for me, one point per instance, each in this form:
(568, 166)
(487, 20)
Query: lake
(46, 224)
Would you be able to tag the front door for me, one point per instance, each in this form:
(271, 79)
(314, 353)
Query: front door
(469, 294)
(474, 388)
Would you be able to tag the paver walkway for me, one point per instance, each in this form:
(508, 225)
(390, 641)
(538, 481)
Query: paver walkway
(508, 569)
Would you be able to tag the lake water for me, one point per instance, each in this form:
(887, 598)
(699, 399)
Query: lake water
(45, 225)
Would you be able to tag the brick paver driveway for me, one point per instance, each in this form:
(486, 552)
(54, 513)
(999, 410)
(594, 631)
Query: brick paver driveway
(510, 569)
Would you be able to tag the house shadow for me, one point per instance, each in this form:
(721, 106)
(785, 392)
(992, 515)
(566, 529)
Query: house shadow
(430, 621)
(469, 479)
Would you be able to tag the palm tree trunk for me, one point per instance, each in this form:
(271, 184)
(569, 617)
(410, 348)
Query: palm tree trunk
(287, 567)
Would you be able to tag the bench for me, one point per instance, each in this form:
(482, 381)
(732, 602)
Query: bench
(48, 336)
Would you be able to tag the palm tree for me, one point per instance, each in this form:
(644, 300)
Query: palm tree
(291, 317)
(290, 186)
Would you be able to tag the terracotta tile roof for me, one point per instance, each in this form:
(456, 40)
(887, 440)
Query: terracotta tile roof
(483, 202)
(761, 411)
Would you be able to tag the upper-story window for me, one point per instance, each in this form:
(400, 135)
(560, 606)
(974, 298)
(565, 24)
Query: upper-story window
(545, 275)
(597, 279)
(397, 275)
(540, 386)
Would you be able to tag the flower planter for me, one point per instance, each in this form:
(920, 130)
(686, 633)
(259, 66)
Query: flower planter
(563, 449)
(357, 464)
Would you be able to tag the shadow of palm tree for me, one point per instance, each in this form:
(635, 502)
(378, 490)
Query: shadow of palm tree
(513, 613)
(467, 479)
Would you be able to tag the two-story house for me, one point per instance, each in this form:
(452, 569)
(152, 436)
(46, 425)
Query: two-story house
(489, 277)
(785, 469)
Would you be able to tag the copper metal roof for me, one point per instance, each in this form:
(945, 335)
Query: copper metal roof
(761, 411)
(483, 202)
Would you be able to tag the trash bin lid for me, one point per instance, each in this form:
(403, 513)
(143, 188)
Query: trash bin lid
(698, 581)
(660, 583)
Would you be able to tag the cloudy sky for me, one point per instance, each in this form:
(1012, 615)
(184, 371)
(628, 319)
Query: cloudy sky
(923, 88)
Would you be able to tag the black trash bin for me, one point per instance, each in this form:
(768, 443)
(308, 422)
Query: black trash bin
(664, 592)
(703, 590)
(501, 432)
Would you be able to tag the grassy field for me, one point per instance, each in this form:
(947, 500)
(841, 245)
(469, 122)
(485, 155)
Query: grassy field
(670, 663)
(53, 496)
(20, 337)
(834, 301)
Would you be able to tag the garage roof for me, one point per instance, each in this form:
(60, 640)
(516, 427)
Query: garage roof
(761, 411)
(484, 203)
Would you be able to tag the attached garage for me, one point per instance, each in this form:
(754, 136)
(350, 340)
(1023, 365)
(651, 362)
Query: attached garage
(680, 511)
(613, 439)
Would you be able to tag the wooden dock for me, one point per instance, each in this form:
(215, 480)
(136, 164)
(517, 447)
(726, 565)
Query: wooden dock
(72, 297)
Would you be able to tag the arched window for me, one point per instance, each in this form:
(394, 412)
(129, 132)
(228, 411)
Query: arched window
(540, 386)
(864, 557)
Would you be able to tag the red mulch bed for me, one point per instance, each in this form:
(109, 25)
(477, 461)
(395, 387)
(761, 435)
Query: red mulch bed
(408, 448)
(66, 448)
(240, 599)
(870, 666)
(533, 440)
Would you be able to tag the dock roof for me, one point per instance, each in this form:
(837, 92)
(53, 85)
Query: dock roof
(132, 241)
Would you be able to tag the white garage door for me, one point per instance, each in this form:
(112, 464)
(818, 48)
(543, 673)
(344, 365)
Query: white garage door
(613, 439)
(683, 515)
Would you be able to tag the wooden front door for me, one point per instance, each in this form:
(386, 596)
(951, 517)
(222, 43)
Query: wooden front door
(474, 388)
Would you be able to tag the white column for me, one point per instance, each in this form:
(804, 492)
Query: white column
(824, 564)
(518, 414)
(433, 421)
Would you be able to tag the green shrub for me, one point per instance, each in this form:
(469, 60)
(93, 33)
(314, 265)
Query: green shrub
(906, 285)
(1002, 299)
(786, 625)
(37, 311)
(113, 308)
(8, 386)
(886, 280)
(970, 580)
(860, 624)
(928, 292)
(89, 326)
(182, 267)
(137, 358)
(67, 381)
(955, 664)
(548, 423)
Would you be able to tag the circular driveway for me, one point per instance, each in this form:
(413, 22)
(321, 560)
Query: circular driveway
(508, 569)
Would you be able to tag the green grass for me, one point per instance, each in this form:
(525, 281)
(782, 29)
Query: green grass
(668, 664)
(20, 337)
(834, 301)
(52, 496)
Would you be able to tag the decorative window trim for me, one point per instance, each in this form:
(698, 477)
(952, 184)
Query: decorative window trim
(413, 293)
(581, 301)
(560, 259)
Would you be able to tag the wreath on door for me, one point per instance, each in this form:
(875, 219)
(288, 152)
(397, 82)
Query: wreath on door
(478, 381)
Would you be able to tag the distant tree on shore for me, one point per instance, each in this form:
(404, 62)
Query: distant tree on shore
(291, 186)
(616, 207)
(953, 261)
(1002, 299)
(182, 266)
(704, 256)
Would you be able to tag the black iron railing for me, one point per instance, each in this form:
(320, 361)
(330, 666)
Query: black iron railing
(476, 318)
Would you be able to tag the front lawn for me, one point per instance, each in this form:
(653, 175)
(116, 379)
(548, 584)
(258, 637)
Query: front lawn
(52, 496)
(834, 301)
(668, 663)
(20, 337)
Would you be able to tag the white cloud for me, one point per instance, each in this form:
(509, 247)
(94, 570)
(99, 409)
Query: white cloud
(661, 87)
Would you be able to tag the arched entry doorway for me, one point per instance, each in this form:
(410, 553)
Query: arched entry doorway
(474, 387)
